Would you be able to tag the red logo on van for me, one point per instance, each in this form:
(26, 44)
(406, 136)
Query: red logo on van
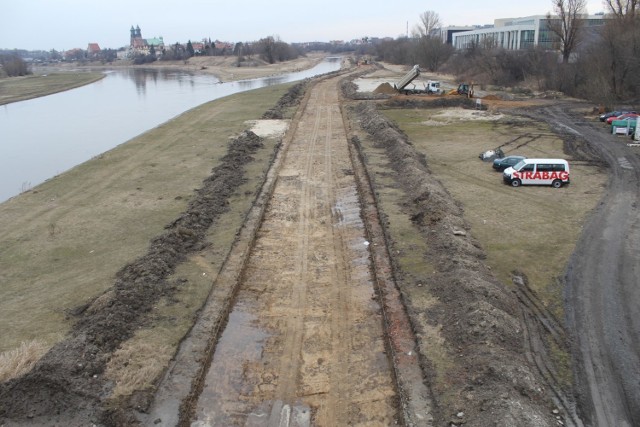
(542, 175)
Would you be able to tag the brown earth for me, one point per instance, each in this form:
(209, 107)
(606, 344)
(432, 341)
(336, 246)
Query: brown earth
(66, 385)
(308, 287)
(225, 68)
(309, 321)
(489, 381)
(385, 88)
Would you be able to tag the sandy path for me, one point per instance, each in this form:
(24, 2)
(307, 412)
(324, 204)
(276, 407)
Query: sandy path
(304, 343)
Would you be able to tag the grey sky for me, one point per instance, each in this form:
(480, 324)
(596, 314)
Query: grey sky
(66, 24)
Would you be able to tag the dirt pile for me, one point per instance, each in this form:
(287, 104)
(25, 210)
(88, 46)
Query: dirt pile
(431, 102)
(385, 88)
(350, 90)
(290, 99)
(488, 380)
(66, 387)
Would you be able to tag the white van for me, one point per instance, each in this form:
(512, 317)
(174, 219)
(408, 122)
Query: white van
(554, 172)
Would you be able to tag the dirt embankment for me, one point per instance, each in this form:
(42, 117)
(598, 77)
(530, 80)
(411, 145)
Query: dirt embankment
(225, 68)
(67, 387)
(14, 89)
(487, 380)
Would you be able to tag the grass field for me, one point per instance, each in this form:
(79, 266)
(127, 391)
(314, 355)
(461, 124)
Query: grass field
(62, 242)
(13, 89)
(529, 229)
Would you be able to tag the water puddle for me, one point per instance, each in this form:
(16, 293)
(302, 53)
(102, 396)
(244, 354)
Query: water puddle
(239, 347)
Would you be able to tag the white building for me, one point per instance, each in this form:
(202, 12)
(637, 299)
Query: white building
(517, 33)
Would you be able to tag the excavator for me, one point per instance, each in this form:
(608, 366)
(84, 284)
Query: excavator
(465, 89)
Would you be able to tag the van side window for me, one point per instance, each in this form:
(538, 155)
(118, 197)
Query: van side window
(527, 168)
(545, 168)
(558, 167)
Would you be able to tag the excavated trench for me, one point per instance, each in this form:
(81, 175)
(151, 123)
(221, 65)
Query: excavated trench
(305, 341)
(304, 324)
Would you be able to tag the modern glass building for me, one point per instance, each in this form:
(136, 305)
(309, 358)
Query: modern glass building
(517, 33)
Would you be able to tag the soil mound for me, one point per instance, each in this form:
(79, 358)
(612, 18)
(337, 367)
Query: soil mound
(290, 99)
(431, 102)
(66, 386)
(478, 316)
(385, 88)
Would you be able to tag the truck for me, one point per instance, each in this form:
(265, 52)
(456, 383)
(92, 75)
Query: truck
(408, 78)
(430, 87)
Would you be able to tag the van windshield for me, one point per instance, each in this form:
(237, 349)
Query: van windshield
(519, 165)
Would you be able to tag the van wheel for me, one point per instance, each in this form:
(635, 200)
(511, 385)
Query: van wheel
(515, 183)
(556, 183)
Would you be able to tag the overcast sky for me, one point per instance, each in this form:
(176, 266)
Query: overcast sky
(66, 24)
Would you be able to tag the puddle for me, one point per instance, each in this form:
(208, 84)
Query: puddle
(240, 345)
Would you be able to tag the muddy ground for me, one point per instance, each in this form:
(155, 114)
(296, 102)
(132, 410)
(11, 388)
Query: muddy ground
(488, 382)
(67, 383)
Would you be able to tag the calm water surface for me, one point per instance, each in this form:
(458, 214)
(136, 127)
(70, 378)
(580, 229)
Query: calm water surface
(43, 137)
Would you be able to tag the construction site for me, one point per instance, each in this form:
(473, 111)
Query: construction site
(347, 259)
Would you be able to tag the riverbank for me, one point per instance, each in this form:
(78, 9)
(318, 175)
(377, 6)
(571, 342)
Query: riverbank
(49, 80)
(14, 89)
(226, 68)
(64, 240)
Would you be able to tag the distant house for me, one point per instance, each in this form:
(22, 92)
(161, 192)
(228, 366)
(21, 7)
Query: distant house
(198, 47)
(93, 50)
(76, 54)
(223, 45)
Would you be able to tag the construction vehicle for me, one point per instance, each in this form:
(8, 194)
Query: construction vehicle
(408, 78)
(431, 87)
(463, 89)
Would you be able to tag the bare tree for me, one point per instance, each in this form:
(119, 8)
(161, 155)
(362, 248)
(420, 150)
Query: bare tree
(623, 8)
(429, 22)
(567, 24)
(621, 42)
(431, 52)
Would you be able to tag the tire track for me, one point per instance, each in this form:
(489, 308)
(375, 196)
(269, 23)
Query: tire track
(304, 344)
(603, 289)
(289, 365)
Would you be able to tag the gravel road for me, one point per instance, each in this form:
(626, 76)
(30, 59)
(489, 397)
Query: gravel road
(603, 284)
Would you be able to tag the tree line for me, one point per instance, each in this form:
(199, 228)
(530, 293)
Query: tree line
(602, 65)
(269, 49)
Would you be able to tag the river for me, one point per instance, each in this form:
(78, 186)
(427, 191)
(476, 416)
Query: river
(43, 137)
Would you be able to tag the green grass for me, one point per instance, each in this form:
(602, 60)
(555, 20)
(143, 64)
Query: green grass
(531, 229)
(62, 242)
(13, 89)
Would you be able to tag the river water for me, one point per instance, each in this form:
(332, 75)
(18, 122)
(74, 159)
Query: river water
(43, 137)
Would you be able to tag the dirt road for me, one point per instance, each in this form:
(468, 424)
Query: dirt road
(305, 337)
(603, 286)
(305, 340)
